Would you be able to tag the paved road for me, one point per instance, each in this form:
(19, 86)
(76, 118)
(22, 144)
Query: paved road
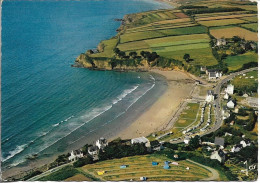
(48, 172)
(217, 102)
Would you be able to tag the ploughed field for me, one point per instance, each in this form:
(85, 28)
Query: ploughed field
(141, 166)
(174, 33)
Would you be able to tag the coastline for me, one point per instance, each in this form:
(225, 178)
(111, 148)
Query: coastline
(160, 113)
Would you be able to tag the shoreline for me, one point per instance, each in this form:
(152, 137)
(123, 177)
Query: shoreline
(116, 127)
(160, 113)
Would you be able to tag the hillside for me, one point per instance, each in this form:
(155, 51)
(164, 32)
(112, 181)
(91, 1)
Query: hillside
(183, 38)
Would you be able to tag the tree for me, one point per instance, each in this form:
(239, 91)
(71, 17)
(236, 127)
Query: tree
(194, 142)
(186, 57)
(116, 51)
(236, 39)
(121, 54)
(133, 54)
(83, 161)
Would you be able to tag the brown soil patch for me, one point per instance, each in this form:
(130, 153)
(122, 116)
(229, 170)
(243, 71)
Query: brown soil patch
(180, 15)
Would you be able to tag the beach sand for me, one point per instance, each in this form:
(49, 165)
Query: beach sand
(160, 113)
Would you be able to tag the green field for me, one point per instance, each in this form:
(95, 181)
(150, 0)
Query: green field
(201, 56)
(236, 62)
(212, 23)
(161, 33)
(109, 45)
(250, 19)
(246, 81)
(251, 26)
(141, 166)
(188, 115)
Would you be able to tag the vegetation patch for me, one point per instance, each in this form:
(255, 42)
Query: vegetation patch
(251, 26)
(141, 166)
(234, 31)
(61, 174)
(213, 23)
(236, 62)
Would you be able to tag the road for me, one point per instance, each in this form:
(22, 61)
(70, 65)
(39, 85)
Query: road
(48, 172)
(217, 102)
(215, 174)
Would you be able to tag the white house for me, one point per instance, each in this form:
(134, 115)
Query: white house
(231, 104)
(245, 143)
(186, 140)
(101, 143)
(75, 154)
(218, 155)
(93, 150)
(230, 89)
(210, 96)
(226, 96)
(221, 42)
(213, 73)
(139, 140)
(236, 148)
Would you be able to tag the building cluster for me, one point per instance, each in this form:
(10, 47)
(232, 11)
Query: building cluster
(92, 150)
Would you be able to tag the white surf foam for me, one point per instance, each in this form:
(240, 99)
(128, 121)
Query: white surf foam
(16, 151)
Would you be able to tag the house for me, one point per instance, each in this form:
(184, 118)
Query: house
(203, 68)
(139, 140)
(245, 143)
(228, 134)
(230, 89)
(186, 140)
(101, 143)
(218, 155)
(210, 96)
(236, 148)
(75, 154)
(213, 73)
(225, 112)
(219, 141)
(93, 150)
(154, 145)
(221, 42)
(236, 110)
(231, 104)
(226, 96)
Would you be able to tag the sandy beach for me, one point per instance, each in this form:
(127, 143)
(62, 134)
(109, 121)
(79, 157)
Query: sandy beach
(159, 114)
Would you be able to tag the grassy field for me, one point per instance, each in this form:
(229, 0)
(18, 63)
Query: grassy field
(229, 32)
(200, 56)
(236, 62)
(251, 26)
(250, 19)
(135, 36)
(77, 177)
(224, 17)
(141, 166)
(246, 81)
(213, 23)
(188, 115)
(109, 45)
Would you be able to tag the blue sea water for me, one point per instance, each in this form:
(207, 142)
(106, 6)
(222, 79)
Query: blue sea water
(48, 106)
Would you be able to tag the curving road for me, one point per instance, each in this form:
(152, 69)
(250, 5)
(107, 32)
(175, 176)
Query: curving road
(217, 102)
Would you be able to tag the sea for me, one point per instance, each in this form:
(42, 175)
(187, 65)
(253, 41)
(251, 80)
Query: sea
(47, 106)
